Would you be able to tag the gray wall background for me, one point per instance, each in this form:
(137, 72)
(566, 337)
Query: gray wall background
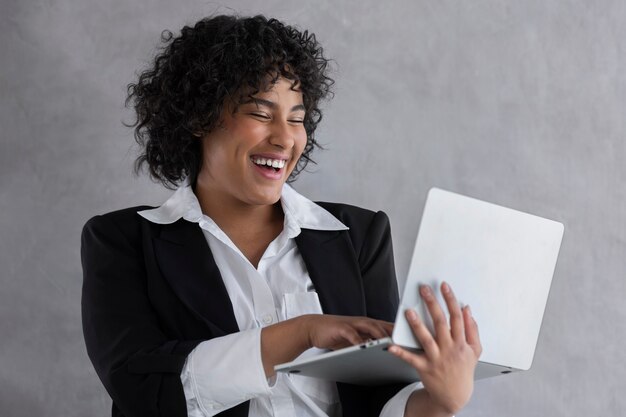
(521, 103)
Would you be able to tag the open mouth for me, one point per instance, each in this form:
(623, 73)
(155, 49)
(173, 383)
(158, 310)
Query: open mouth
(269, 164)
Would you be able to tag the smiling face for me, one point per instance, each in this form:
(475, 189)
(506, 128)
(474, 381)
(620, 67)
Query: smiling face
(250, 155)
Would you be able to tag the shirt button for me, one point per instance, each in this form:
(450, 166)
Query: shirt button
(267, 319)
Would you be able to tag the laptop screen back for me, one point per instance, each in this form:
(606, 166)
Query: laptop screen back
(498, 260)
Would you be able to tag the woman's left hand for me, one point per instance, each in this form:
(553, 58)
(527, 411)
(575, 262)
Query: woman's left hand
(446, 366)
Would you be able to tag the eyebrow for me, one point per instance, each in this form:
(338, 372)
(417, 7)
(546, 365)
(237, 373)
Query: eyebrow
(271, 104)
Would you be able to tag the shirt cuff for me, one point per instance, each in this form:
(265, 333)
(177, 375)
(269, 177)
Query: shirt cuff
(397, 404)
(223, 372)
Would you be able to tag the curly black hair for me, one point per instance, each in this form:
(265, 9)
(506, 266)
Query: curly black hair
(181, 96)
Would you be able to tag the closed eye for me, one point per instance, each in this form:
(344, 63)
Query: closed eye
(260, 115)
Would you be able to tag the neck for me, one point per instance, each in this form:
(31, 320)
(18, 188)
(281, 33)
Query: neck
(236, 218)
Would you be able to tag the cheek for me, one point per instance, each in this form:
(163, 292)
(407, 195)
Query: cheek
(300, 143)
(215, 153)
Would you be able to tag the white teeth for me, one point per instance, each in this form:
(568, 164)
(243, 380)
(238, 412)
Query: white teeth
(274, 163)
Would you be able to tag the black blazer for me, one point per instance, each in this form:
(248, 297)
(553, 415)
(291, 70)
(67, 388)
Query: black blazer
(152, 292)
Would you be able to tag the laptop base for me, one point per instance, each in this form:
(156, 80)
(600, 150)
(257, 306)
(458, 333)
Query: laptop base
(369, 364)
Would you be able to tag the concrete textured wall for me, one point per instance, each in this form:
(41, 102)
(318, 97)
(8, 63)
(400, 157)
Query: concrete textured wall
(521, 103)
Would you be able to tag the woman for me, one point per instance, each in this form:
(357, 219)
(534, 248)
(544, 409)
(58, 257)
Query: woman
(188, 307)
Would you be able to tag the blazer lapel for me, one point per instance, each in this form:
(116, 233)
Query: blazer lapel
(187, 263)
(334, 270)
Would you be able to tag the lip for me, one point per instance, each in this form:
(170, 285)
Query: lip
(269, 174)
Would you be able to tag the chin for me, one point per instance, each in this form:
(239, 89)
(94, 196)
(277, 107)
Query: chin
(266, 198)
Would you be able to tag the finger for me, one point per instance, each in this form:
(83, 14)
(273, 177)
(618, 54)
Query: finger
(457, 327)
(383, 331)
(442, 331)
(422, 334)
(350, 335)
(417, 361)
(385, 326)
(471, 331)
(372, 329)
(388, 327)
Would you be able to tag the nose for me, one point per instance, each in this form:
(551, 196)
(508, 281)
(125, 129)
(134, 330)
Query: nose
(282, 134)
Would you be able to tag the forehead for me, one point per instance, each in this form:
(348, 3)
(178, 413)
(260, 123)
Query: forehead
(281, 90)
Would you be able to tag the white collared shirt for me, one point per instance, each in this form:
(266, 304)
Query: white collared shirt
(225, 371)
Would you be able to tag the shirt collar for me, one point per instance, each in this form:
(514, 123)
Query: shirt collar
(300, 212)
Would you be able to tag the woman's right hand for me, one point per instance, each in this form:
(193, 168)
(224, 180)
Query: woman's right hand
(284, 341)
(326, 331)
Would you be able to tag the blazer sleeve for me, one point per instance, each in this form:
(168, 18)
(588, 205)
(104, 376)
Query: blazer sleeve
(138, 365)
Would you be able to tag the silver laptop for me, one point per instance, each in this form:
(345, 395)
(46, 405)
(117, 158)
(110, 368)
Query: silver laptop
(498, 260)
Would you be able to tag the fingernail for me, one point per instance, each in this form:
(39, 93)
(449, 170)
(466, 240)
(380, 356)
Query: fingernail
(469, 310)
(394, 349)
(425, 290)
(445, 288)
(411, 315)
